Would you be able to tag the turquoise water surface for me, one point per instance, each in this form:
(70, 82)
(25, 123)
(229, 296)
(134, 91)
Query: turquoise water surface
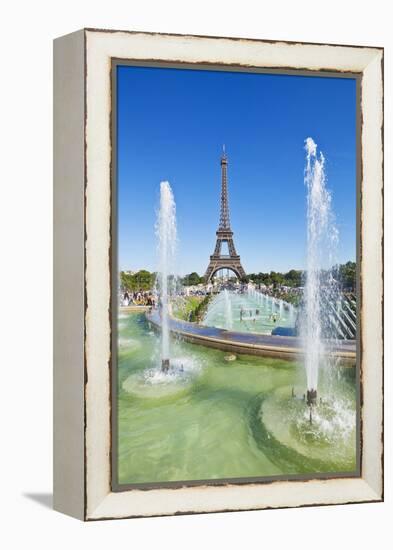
(212, 418)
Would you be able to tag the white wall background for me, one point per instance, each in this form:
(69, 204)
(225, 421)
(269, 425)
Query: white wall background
(28, 28)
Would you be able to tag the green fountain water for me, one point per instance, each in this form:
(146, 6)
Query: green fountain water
(211, 419)
(249, 311)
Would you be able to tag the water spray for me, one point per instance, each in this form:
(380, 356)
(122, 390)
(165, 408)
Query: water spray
(321, 238)
(166, 233)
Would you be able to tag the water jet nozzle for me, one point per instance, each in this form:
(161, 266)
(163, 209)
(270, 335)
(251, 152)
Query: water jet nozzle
(165, 365)
(311, 397)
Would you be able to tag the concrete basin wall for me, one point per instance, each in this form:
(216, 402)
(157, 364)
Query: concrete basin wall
(282, 347)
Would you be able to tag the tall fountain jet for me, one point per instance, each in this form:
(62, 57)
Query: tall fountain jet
(320, 235)
(167, 234)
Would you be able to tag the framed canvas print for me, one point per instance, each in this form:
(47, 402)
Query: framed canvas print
(218, 340)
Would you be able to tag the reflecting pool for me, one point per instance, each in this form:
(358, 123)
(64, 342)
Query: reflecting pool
(249, 312)
(210, 418)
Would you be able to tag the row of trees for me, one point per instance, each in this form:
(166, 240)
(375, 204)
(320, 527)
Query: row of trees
(292, 278)
(141, 280)
(345, 274)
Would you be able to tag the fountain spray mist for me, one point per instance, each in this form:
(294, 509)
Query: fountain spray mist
(321, 240)
(228, 311)
(167, 235)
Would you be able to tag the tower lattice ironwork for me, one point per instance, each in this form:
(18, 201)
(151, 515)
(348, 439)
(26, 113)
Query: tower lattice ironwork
(224, 234)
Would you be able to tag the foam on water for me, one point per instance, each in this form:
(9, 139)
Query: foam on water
(331, 436)
(333, 423)
(154, 383)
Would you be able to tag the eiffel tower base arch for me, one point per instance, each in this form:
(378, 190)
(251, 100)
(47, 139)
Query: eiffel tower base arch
(232, 264)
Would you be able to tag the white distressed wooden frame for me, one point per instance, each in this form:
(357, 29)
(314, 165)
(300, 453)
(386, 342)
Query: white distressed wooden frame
(82, 108)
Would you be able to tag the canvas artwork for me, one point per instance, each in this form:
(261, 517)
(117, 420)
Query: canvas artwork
(218, 274)
(235, 329)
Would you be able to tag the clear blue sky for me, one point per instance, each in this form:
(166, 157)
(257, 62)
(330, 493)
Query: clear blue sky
(171, 126)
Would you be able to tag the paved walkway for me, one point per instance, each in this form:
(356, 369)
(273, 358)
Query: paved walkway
(247, 342)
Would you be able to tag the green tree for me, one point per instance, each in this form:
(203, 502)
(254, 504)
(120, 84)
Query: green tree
(192, 279)
(293, 278)
(346, 275)
(141, 280)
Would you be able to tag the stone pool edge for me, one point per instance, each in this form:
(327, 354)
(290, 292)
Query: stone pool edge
(273, 347)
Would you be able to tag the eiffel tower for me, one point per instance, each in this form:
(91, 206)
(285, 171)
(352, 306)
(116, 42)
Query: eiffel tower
(224, 234)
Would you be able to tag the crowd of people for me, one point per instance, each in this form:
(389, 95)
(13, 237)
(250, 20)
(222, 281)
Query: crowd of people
(138, 298)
